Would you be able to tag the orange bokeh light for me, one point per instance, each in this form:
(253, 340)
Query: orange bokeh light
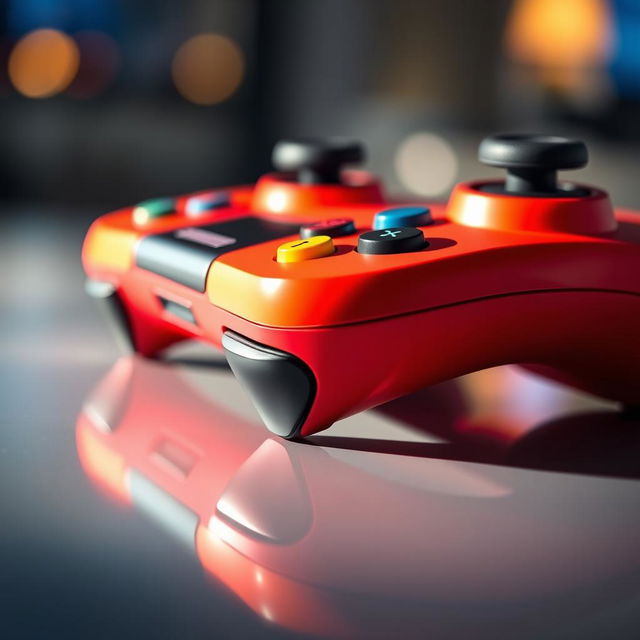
(559, 34)
(43, 63)
(208, 68)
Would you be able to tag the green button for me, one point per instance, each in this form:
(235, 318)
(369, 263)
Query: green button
(149, 210)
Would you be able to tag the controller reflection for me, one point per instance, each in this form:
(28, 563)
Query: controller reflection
(367, 538)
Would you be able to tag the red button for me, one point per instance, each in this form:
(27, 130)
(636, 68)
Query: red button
(334, 227)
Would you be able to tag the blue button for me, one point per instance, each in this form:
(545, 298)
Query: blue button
(204, 202)
(402, 217)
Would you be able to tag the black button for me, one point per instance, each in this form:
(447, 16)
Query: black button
(334, 228)
(392, 240)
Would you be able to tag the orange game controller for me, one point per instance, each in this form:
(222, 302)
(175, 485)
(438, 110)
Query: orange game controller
(329, 299)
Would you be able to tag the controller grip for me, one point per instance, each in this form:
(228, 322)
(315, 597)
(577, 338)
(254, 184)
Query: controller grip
(587, 339)
(135, 331)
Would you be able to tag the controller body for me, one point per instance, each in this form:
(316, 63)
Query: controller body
(329, 299)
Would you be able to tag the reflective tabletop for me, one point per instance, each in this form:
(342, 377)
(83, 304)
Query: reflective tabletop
(146, 499)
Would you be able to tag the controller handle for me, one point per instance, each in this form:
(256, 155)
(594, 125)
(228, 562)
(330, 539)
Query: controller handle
(583, 338)
(316, 161)
(531, 161)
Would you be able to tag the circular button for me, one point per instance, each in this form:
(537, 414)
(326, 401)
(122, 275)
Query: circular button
(402, 217)
(392, 240)
(149, 210)
(334, 228)
(201, 203)
(306, 249)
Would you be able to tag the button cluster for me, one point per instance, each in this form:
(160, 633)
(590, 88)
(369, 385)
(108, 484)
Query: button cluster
(394, 231)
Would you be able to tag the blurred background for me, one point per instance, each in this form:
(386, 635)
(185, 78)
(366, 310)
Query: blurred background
(107, 102)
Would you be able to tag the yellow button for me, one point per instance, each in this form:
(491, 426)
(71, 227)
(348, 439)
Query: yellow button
(305, 249)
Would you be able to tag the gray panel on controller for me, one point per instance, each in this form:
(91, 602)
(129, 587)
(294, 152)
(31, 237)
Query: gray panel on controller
(185, 255)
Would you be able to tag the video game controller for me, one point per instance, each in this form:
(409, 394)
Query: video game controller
(329, 299)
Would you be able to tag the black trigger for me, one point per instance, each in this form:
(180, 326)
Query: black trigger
(280, 385)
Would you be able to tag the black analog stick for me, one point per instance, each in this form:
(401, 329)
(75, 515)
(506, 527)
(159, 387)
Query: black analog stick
(316, 161)
(531, 161)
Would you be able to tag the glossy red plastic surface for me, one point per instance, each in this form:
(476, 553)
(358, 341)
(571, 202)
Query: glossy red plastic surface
(471, 206)
(281, 195)
(547, 282)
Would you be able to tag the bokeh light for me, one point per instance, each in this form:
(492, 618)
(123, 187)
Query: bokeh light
(277, 201)
(43, 63)
(426, 164)
(549, 33)
(208, 68)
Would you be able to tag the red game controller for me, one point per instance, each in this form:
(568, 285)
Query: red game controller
(329, 299)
